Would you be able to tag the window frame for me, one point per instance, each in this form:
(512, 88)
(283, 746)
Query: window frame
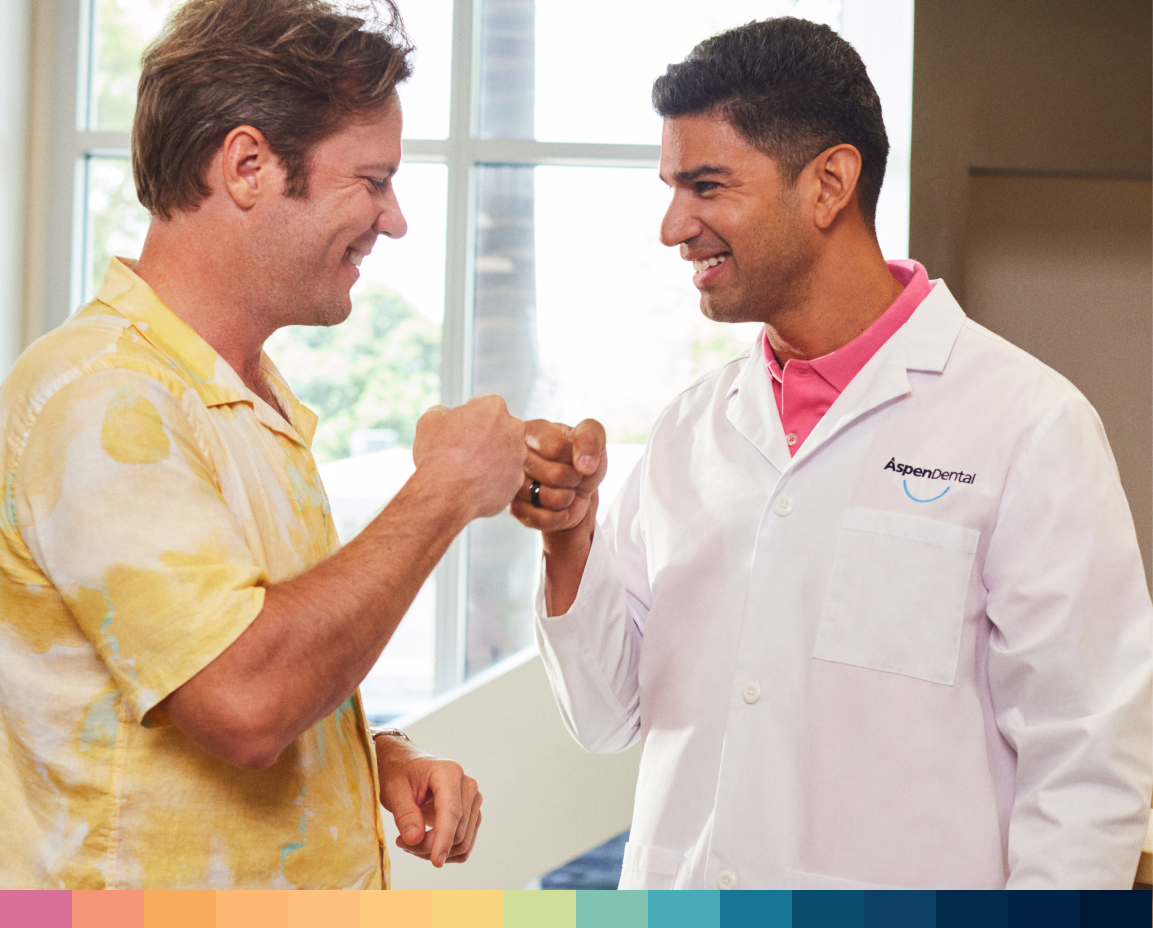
(462, 152)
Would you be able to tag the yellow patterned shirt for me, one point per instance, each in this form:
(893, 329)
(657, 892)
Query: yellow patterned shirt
(149, 498)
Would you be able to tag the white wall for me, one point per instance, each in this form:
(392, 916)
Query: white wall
(546, 800)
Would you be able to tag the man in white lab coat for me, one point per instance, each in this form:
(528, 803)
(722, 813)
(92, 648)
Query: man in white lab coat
(872, 600)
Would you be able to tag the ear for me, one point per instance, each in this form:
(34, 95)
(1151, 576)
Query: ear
(837, 171)
(250, 169)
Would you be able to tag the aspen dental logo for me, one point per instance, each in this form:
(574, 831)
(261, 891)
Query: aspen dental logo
(928, 473)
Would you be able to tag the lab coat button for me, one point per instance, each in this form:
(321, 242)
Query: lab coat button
(751, 692)
(783, 506)
(726, 879)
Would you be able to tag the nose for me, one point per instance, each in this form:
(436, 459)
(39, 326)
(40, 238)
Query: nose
(679, 224)
(390, 220)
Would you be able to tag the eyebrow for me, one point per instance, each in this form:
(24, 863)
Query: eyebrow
(687, 177)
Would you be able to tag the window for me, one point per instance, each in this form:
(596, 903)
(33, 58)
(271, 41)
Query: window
(531, 268)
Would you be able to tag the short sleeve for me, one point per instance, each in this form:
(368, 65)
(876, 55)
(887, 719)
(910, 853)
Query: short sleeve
(117, 501)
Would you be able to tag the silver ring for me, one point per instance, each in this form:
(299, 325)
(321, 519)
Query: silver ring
(534, 494)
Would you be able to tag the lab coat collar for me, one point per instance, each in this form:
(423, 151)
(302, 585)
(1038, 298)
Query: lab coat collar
(924, 343)
(753, 411)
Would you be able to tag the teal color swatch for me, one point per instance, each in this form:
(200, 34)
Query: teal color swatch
(758, 908)
(612, 908)
(693, 908)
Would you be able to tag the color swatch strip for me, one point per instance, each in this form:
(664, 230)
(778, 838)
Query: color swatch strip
(572, 909)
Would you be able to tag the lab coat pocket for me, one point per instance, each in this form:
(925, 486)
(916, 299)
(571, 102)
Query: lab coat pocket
(896, 596)
(648, 867)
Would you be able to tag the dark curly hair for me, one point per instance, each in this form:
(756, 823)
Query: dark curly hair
(297, 70)
(791, 88)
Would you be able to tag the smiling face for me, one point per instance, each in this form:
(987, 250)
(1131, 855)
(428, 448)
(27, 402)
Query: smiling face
(308, 250)
(734, 216)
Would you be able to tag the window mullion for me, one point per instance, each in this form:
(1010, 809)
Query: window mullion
(455, 335)
(424, 150)
(531, 151)
(64, 225)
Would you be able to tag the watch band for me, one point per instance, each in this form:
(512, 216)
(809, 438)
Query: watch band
(377, 730)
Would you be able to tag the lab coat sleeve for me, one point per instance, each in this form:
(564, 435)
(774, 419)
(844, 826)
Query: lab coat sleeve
(1070, 659)
(592, 653)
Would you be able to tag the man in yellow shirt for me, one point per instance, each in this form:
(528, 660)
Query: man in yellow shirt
(180, 639)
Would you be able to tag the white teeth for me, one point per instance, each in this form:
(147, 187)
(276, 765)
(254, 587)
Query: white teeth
(354, 257)
(699, 266)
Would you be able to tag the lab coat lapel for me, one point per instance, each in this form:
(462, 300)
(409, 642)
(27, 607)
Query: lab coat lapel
(921, 344)
(752, 410)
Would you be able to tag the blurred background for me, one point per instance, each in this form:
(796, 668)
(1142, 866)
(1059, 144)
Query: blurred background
(1020, 173)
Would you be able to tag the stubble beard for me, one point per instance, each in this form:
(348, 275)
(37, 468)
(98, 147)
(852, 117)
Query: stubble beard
(775, 293)
(314, 295)
(300, 286)
(329, 309)
(779, 285)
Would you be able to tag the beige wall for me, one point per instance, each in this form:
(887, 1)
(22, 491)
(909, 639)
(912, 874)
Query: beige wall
(1031, 159)
(546, 799)
(1029, 86)
(1063, 267)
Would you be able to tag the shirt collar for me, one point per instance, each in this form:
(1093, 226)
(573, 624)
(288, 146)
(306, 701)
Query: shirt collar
(839, 367)
(193, 359)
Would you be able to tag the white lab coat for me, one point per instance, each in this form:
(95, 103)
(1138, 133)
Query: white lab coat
(850, 675)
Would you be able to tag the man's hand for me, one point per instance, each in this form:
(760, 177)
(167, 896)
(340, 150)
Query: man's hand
(476, 452)
(421, 790)
(569, 464)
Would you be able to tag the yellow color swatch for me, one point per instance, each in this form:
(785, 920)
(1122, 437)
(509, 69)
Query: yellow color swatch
(480, 908)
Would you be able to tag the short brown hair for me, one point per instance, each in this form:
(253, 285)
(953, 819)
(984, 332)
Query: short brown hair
(297, 70)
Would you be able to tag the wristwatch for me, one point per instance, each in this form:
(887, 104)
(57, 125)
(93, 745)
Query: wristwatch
(377, 730)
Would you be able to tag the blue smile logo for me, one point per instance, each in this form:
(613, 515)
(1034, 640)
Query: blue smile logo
(916, 499)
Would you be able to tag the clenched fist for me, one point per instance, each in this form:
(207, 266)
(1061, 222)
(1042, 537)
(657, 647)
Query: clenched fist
(558, 495)
(476, 452)
(569, 464)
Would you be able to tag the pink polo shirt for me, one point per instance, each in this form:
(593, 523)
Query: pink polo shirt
(805, 390)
